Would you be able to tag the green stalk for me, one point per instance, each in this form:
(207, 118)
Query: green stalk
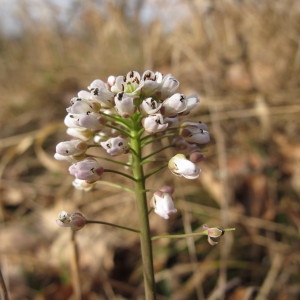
(142, 208)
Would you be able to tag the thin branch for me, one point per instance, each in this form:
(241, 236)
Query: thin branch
(111, 160)
(113, 225)
(157, 151)
(119, 173)
(155, 171)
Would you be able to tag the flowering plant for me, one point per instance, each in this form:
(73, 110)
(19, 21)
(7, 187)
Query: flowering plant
(121, 117)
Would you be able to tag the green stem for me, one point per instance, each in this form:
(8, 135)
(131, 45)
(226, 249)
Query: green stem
(155, 171)
(142, 208)
(119, 173)
(157, 151)
(185, 235)
(111, 224)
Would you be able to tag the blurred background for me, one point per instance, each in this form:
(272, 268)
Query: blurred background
(242, 57)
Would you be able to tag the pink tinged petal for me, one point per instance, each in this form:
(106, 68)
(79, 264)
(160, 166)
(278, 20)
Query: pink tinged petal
(162, 203)
(88, 169)
(116, 146)
(150, 106)
(167, 189)
(196, 157)
(174, 105)
(73, 147)
(181, 166)
(111, 80)
(93, 121)
(154, 123)
(124, 105)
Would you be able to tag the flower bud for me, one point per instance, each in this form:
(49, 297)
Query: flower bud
(195, 132)
(181, 166)
(162, 202)
(88, 169)
(75, 220)
(73, 147)
(115, 146)
(92, 121)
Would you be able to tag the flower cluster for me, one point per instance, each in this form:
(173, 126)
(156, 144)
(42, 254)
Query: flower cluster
(104, 116)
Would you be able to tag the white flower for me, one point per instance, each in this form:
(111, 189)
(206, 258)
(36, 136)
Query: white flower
(191, 102)
(124, 105)
(181, 166)
(168, 86)
(154, 123)
(151, 82)
(162, 202)
(130, 84)
(100, 92)
(150, 106)
(174, 105)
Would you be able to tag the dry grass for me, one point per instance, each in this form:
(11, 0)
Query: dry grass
(243, 59)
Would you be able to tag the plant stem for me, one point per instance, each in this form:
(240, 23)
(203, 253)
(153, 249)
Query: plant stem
(75, 264)
(142, 208)
(111, 224)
